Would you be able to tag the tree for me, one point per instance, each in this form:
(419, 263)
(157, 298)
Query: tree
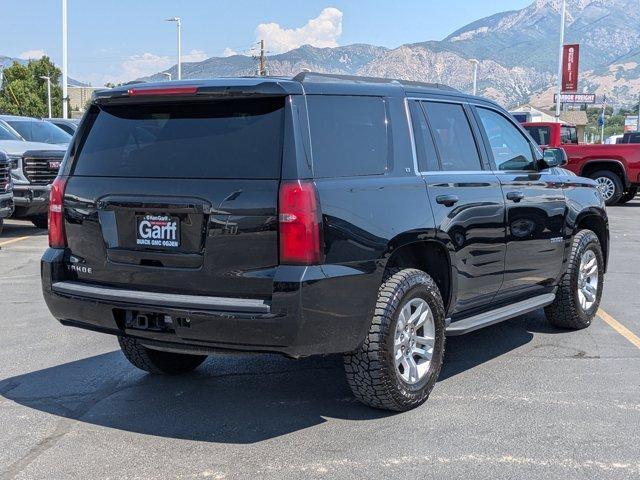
(23, 92)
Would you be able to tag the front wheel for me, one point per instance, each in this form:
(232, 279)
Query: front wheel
(399, 361)
(156, 361)
(578, 296)
(610, 186)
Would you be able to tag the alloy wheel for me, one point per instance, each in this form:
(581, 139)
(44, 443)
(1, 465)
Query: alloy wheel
(588, 277)
(606, 186)
(414, 340)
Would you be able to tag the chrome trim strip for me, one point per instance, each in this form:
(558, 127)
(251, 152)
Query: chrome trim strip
(165, 300)
(412, 137)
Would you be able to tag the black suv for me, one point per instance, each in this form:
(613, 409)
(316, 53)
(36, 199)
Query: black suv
(315, 215)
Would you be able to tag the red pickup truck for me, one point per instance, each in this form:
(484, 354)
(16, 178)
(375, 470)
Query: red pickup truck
(616, 168)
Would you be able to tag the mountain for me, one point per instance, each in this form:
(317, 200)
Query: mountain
(517, 50)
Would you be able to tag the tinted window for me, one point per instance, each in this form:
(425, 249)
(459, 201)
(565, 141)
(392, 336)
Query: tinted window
(511, 150)
(349, 135)
(39, 131)
(540, 135)
(425, 149)
(453, 136)
(568, 135)
(226, 139)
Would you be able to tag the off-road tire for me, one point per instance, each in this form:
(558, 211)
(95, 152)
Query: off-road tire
(618, 189)
(370, 370)
(40, 221)
(629, 195)
(565, 311)
(156, 361)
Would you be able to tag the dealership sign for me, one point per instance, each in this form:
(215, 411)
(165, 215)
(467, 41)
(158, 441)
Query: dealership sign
(630, 123)
(576, 98)
(570, 60)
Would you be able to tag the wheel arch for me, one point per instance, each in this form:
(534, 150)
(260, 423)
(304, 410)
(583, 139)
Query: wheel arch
(429, 255)
(598, 224)
(613, 165)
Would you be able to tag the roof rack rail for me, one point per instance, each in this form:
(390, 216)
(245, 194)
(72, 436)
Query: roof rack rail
(305, 76)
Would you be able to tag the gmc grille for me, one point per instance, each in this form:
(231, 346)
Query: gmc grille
(5, 176)
(41, 169)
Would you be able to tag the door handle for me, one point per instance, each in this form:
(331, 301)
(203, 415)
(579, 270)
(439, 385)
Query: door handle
(447, 200)
(515, 196)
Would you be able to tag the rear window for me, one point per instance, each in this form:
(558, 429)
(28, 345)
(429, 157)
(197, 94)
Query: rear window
(540, 135)
(350, 136)
(225, 139)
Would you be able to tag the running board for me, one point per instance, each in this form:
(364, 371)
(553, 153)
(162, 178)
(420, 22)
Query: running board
(498, 315)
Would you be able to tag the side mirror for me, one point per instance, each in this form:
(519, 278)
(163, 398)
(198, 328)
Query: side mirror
(554, 157)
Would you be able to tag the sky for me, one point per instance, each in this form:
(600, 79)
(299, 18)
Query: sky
(120, 40)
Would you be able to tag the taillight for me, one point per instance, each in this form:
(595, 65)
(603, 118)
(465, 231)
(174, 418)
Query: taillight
(300, 223)
(57, 238)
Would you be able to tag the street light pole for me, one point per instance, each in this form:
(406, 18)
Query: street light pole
(48, 79)
(178, 21)
(559, 89)
(65, 67)
(475, 74)
(168, 75)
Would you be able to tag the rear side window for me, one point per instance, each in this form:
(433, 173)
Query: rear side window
(453, 136)
(225, 139)
(540, 135)
(425, 148)
(350, 136)
(568, 135)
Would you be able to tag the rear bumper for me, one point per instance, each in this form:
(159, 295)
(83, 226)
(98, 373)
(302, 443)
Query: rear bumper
(313, 310)
(6, 205)
(31, 199)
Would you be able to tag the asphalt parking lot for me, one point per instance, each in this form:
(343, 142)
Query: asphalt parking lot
(516, 400)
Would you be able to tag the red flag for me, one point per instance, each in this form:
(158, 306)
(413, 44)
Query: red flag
(570, 60)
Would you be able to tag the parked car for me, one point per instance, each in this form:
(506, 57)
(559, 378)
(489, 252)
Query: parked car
(615, 168)
(33, 168)
(35, 130)
(69, 125)
(613, 139)
(630, 137)
(317, 215)
(6, 189)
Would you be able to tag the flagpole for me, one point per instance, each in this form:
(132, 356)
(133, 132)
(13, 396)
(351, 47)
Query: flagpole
(559, 89)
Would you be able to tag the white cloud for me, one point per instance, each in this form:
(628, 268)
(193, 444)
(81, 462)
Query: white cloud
(32, 55)
(195, 56)
(137, 66)
(322, 31)
(228, 52)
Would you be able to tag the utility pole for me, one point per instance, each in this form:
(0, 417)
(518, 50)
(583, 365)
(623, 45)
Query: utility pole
(178, 22)
(559, 89)
(638, 121)
(475, 75)
(262, 70)
(48, 79)
(65, 66)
